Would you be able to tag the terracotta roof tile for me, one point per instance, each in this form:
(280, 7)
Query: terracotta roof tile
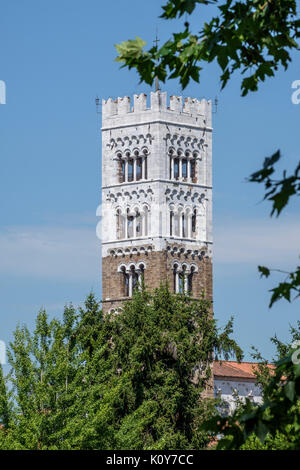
(235, 369)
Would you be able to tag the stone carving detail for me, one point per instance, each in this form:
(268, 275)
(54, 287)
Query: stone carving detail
(185, 143)
(128, 267)
(129, 251)
(127, 198)
(184, 267)
(176, 250)
(184, 196)
(121, 143)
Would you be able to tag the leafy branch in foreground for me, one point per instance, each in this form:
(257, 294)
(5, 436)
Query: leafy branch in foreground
(276, 423)
(285, 289)
(279, 191)
(253, 36)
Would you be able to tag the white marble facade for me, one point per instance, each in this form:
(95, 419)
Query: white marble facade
(231, 391)
(156, 173)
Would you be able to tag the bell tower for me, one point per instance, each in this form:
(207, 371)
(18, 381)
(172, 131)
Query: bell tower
(156, 196)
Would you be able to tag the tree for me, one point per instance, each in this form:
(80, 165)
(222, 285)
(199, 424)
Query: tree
(275, 425)
(130, 381)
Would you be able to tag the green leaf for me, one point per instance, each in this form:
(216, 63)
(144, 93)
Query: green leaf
(289, 390)
(264, 271)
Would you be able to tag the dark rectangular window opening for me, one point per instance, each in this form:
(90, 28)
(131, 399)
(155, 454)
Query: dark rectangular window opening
(130, 170)
(176, 168)
(139, 165)
(184, 168)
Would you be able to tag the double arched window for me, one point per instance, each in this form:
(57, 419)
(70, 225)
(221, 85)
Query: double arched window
(183, 223)
(132, 277)
(132, 223)
(183, 277)
(132, 165)
(183, 165)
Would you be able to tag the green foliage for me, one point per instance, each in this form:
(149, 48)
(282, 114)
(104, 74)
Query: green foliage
(252, 36)
(279, 191)
(128, 381)
(176, 8)
(276, 423)
(285, 289)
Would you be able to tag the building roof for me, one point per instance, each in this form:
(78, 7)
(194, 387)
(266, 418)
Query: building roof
(233, 369)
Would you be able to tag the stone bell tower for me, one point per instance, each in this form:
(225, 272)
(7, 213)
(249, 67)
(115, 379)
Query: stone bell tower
(156, 196)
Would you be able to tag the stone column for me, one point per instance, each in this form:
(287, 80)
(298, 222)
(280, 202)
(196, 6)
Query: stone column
(188, 169)
(130, 284)
(185, 282)
(126, 225)
(144, 168)
(134, 169)
(134, 225)
(142, 223)
(188, 225)
(172, 168)
(180, 224)
(177, 282)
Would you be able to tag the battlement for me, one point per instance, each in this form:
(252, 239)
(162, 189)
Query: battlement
(158, 103)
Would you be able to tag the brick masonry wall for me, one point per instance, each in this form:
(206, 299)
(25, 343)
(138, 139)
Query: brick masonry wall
(158, 269)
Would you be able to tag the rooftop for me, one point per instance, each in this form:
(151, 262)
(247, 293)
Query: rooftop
(235, 369)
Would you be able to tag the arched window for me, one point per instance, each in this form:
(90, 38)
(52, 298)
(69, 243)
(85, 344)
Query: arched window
(132, 224)
(132, 278)
(183, 278)
(183, 165)
(179, 279)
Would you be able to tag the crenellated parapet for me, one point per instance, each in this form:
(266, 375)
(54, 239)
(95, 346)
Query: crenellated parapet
(158, 103)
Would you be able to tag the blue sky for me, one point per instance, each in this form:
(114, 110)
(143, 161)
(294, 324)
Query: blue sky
(56, 56)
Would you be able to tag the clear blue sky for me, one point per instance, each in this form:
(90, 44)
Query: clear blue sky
(56, 56)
